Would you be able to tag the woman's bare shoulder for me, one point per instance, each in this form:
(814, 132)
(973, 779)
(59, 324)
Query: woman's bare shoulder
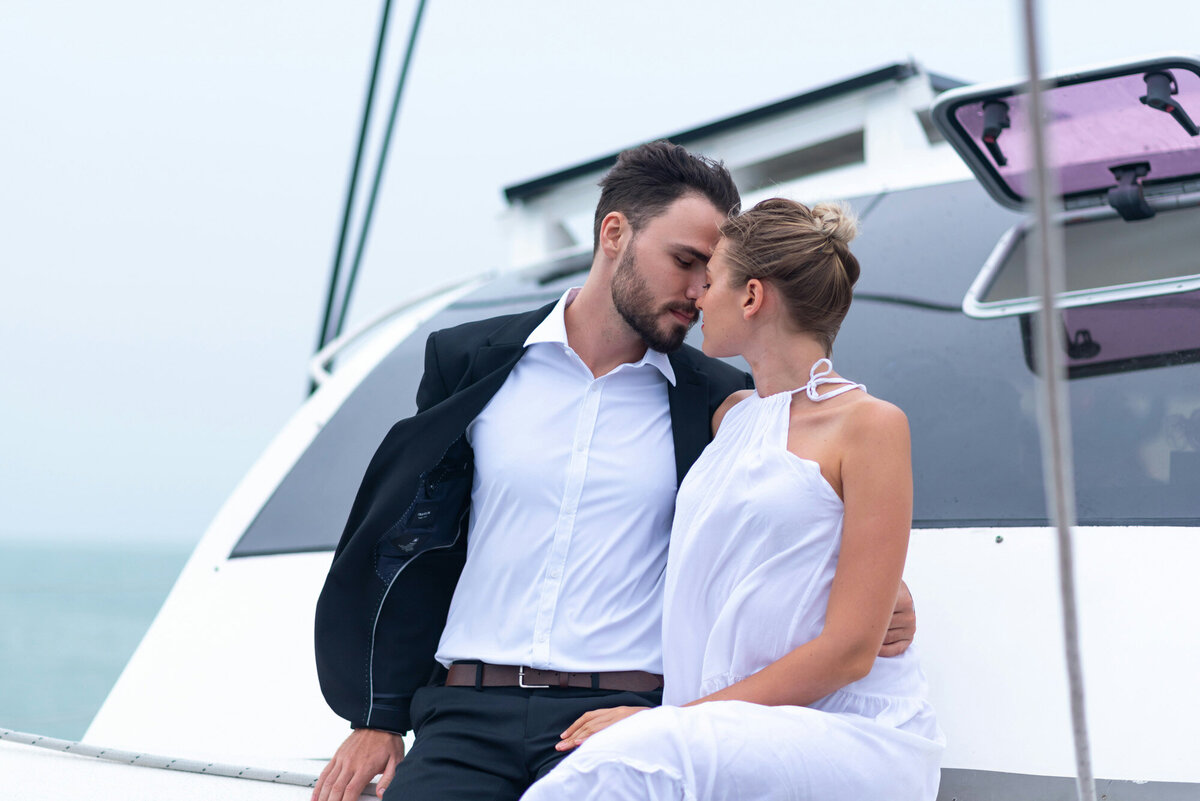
(872, 421)
(726, 405)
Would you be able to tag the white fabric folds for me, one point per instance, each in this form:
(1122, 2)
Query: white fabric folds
(752, 558)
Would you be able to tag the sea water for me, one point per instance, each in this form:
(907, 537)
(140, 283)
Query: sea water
(71, 615)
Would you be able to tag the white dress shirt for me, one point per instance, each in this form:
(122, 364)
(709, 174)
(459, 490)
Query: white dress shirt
(571, 509)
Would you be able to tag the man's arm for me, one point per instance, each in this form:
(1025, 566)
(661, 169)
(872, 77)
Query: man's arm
(368, 753)
(903, 626)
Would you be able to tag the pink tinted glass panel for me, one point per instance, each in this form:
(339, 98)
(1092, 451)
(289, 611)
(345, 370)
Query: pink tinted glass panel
(1136, 328)
(1095, 126)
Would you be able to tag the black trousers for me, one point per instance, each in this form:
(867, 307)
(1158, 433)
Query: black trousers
(493, 742)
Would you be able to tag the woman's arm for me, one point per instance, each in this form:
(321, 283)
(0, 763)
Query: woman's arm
(877, 484)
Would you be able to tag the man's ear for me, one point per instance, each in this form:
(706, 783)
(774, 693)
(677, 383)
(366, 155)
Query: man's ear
(752, 297)
(613, 227)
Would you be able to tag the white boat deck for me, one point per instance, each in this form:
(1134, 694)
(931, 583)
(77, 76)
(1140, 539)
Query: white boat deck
(37, 774)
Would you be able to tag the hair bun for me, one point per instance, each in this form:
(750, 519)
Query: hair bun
(837, 221)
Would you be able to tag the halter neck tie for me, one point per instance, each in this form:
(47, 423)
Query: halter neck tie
(819, 376)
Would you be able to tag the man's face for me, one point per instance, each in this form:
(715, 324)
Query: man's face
(661, 272)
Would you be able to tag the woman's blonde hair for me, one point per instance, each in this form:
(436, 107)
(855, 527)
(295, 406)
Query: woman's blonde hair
(804, 253)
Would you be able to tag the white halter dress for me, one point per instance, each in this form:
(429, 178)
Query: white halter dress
(753, 551)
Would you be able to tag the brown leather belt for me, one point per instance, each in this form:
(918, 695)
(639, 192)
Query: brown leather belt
(482, 675)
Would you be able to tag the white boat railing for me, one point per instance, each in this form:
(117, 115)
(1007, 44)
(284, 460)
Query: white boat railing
(319, 366)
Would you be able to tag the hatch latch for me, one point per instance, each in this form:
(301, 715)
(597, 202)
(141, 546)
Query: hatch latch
(1160, 88)
(1127, 196)
(1081, 346)
(995, 120)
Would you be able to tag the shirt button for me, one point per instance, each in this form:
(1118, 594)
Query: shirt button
(555, 573)
(542, 637)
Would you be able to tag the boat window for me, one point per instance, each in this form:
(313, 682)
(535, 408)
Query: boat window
(971, 402)
(964, 383)
(1127, 335)
(309, 508)
(1105, 259)
(971, 399)
(830, 154)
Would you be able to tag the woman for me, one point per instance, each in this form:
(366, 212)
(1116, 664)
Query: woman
(786, 554)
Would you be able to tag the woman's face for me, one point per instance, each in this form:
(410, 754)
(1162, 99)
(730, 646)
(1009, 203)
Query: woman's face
(721, 308)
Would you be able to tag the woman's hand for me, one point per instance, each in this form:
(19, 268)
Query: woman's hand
(591, 722)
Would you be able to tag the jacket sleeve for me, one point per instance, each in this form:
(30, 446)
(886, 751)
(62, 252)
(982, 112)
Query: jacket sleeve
(432, 389)
(723, 382)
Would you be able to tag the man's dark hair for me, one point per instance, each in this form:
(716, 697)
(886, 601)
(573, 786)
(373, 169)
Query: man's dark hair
(648, 178)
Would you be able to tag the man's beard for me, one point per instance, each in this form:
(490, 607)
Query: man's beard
(631, 297)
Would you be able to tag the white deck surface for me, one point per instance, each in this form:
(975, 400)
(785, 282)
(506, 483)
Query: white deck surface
(36, 774)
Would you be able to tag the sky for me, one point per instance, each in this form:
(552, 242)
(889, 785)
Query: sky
(172, 176)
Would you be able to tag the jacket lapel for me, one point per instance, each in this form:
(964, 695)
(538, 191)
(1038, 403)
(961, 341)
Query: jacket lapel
(691, 422)
(504, 347)
(490, 358)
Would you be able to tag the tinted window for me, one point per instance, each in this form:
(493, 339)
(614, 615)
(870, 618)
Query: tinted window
(1102, 252)
(964, 383)
(971, 397)
(309, 508)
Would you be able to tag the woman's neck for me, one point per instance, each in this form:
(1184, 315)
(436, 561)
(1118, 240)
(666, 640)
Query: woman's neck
(782, 361)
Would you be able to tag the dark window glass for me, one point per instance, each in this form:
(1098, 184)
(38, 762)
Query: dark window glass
(1105, 257)
(971, 402)
(308, 509)
(971, 397)
(969, 394)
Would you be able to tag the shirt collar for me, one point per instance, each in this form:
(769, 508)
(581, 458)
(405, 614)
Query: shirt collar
(554, 330)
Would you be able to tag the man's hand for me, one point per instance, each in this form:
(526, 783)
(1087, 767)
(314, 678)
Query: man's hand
(591, 722)
(903, 627)
(365, 754)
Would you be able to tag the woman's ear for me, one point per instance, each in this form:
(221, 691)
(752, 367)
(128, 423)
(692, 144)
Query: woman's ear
(752, 298)
(612, 228)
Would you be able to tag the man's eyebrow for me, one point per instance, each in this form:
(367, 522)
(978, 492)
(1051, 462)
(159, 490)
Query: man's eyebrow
(694, 252)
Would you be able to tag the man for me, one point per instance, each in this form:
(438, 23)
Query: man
(514, 531)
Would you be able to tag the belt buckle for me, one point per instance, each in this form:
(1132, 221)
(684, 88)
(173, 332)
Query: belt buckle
(521, 681)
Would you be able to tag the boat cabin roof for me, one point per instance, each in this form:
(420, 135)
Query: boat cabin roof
(892, 73)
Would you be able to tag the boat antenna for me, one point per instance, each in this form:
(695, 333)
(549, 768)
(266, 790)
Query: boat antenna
(326, 333)
(1054, 424)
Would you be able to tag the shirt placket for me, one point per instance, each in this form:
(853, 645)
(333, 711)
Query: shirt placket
(564, 529)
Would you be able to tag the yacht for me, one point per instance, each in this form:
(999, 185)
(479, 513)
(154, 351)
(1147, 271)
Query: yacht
(223, 691)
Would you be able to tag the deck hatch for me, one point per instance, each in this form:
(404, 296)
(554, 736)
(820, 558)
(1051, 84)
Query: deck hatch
(1131, 123)
(1124, 149)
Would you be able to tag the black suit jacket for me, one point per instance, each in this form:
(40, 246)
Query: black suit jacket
(382, 609)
